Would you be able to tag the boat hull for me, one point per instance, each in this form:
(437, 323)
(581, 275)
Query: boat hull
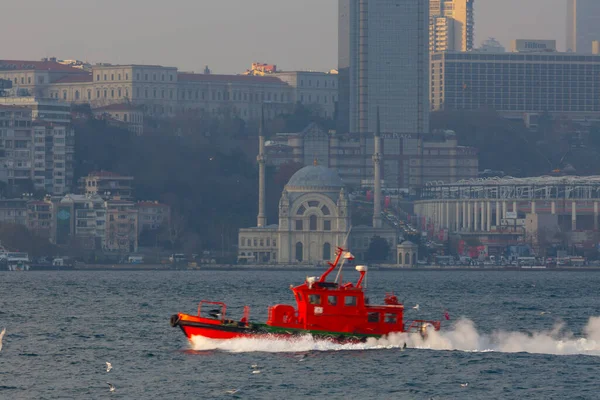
(194, 326)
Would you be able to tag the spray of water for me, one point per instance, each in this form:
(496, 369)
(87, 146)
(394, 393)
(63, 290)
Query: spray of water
(461, 336)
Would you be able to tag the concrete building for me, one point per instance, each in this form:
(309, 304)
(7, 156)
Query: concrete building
(310, 88)
(124, 115)
(39, 217)
(121, 226)
(53, 157)
(107, 185)
(16, 144)
(442, 159)
(518, 85)
(382, 62)
(152, 215)
(46, 110)
(451, 25)
(583, 25)
(13, 211)
(80, 219)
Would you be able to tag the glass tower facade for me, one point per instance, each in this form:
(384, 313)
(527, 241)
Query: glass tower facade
(583, 25)
(383, 62)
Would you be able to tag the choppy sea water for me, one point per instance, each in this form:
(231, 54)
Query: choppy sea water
(512, 335)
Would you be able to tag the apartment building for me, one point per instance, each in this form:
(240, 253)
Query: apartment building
(121, 226)
(125, 115)
(107, 185)
(16, 144)
(152, 215)
(81, 218)
(13, 211)
(39, 217)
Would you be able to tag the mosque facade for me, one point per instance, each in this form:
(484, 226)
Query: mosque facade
(314, 219)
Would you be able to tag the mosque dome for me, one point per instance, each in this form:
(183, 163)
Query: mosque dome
(315, 176)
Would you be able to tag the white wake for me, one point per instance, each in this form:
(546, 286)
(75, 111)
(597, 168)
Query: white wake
(461, 336)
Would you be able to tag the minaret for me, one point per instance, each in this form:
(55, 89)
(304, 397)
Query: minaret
(377, 223)
(261, 220)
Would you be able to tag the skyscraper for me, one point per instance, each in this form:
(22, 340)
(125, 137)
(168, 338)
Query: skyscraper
(583, 25)
(451, 25)
(383, 62)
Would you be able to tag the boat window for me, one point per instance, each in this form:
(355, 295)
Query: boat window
(350, 301)
(314, 299)
(332, 300)
(391, 318)
(373, 317)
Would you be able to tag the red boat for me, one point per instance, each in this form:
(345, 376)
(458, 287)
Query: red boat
(325, 309)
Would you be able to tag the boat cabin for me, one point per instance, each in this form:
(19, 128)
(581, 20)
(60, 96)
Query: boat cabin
(338, 307)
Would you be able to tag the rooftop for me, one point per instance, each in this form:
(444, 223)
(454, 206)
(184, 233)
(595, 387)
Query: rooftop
(227, 78)
(315, 176)
(17, 65)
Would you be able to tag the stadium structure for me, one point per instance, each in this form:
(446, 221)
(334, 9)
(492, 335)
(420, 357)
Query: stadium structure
(502, 206)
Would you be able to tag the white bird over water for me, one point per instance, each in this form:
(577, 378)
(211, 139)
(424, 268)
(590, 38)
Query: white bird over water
(416, 308)
(110, 387)
(2, 337)
(254, 366)
(464, 384)
(232, 391)
(108, 366)
(256, 371)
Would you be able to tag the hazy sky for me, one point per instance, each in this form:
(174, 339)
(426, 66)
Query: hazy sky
(227, 35)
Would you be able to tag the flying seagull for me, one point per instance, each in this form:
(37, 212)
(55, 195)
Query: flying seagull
(232, 391)
(416, 308)
(1, 337)
(108, 366)
(256, 371)
(110, 387)
(464, 384)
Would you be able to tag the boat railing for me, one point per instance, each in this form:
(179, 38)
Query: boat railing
(216, 303)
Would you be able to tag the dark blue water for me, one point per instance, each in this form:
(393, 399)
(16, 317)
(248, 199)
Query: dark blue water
(63, 326)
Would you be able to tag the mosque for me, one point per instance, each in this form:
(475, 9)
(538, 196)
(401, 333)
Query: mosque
(314, 219)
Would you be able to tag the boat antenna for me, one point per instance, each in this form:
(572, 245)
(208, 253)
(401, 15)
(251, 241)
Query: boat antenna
(339, 274)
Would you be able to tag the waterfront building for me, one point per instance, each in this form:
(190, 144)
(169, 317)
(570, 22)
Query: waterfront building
(121, 226)
(314, 219)
(583, 25)
(80, 219)
(124, 115)
(39, 217)
(13, 211)
(152, 215)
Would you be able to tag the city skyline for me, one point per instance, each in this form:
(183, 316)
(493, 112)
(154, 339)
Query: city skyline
(184, 36)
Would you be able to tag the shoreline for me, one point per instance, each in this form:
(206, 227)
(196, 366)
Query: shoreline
(266, 267)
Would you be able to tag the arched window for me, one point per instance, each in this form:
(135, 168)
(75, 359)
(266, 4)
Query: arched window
(326, 251)
(299, 251)
(77, 95)
(414, 259)
(407, 259)
(313, 223)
